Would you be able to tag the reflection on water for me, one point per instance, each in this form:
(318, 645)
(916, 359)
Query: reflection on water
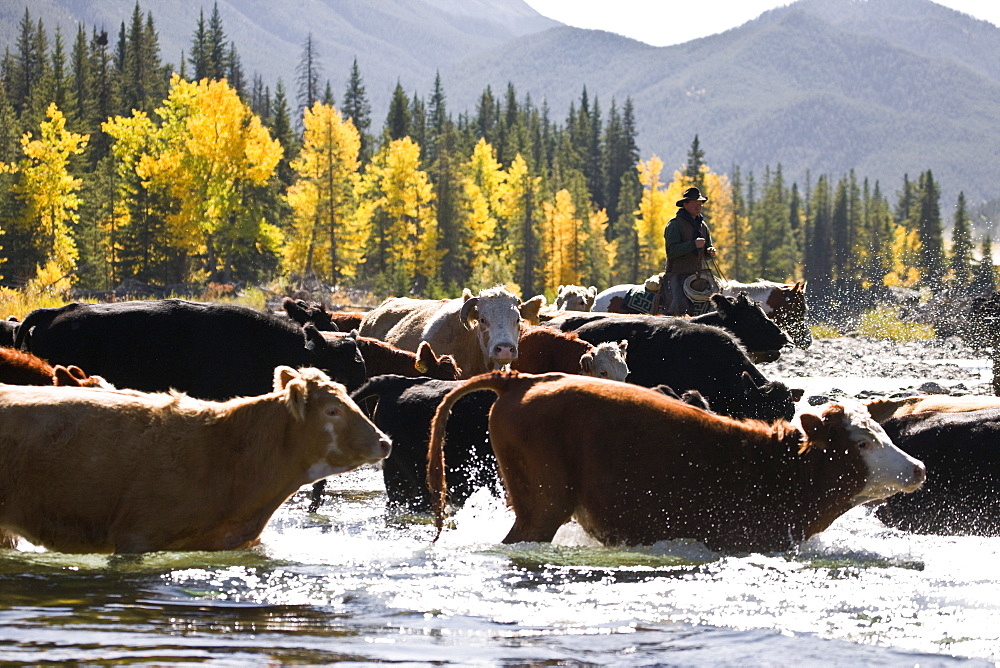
(346, 585)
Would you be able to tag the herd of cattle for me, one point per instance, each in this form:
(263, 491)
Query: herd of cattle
(179, 425)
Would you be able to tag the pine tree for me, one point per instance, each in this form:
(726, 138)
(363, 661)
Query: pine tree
(308, 73)
(397, 122)
(932, 260)
(324, 240)
(692, 171)
(984, 281)
(359, 110)
(818, 257)
(218, 65)
(281, 129)
(200, 55)
(961, 247)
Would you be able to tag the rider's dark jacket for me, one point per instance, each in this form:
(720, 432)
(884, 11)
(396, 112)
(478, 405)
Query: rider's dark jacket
(679, 235)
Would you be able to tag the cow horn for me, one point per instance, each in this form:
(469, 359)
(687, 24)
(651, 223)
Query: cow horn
(467, 308)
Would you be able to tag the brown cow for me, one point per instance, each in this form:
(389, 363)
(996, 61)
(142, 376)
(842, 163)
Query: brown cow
(22, 368)
(481, 331)
(635, 466)
(545, 349)
(883, 409)
(381, 357)
(137, 472)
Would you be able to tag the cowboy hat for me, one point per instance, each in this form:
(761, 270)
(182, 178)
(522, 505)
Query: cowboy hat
(692, 194)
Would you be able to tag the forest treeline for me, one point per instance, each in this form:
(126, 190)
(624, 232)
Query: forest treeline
(115, 165)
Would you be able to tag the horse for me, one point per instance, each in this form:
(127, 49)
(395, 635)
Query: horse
(784, 303)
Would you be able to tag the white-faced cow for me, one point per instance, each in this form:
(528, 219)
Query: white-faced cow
(634, 466)
(90, 470)
(575, 298)
(481, 331)
(209, 351)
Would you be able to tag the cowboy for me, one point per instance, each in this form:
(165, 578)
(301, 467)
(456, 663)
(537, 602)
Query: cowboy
(688, 241)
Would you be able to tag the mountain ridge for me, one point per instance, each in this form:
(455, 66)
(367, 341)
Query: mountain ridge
(884, 87)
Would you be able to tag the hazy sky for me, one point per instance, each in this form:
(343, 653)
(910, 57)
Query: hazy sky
(663, 22)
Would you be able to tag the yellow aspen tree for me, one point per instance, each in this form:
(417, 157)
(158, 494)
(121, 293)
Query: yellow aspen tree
(525, 217)
(48, 189)
(564, 239)
(655, 211)
(215, 150)
(485, 181)
(324, 239)
(397, 209)
(905, 251)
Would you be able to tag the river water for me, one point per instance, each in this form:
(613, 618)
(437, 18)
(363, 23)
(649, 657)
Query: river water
(349, 584)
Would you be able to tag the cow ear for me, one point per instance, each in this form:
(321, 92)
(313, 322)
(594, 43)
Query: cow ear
(283, 375)
(425, 357)
(815, 429)
(529, 309)
(592, 291)
(587, 362)
(722, 303)
(313, 337)
(290, 381)
(470, 311)
(623, 346)
(61, 376)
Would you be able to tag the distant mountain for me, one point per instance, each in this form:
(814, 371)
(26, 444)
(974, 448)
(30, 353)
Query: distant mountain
(886, 87)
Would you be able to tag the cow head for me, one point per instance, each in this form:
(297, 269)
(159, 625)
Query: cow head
(333, 435)
(745, 318)
(338, 354)
(883, 467)
(575, 298)
(768, 402)
(496, 316)
(441, 367)
(606, 360)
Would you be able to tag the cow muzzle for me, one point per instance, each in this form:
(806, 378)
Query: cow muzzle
(503, 355)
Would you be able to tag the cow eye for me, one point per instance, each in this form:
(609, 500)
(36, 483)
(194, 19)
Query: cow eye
(604, 373)
(332, 411)
(484, 322)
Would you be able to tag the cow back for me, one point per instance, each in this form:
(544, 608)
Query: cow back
(210, 351)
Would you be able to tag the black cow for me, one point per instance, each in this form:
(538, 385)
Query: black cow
(8, 331)
(739, 315)
(404, 411)
(962, 454)
(210, 351)
(692, 356)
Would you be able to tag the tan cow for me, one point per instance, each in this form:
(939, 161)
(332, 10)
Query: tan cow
(91, 470)
(883, 409)
(634, 466)
(480, 331)
(575, 298)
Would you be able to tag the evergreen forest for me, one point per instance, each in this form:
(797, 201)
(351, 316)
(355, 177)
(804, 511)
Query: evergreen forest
(116, 166)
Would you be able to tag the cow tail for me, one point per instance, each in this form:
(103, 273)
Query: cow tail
(496, 381)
